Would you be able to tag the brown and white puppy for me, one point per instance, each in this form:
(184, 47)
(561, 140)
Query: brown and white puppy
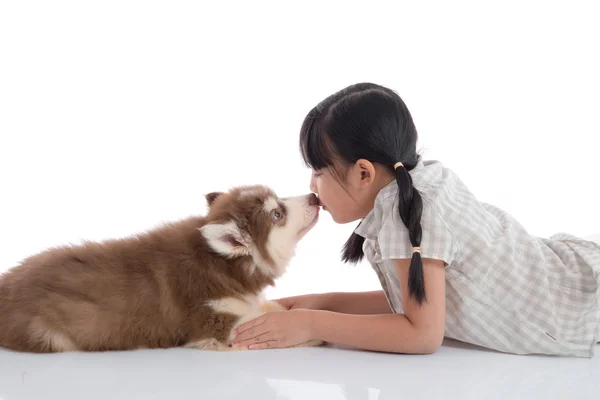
(187, 283)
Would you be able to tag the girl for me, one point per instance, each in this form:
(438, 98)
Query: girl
(449, 265)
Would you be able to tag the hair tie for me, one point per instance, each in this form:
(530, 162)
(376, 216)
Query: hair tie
(398, 164)
(416, 249)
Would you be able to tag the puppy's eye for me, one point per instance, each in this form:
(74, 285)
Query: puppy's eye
(276, 215)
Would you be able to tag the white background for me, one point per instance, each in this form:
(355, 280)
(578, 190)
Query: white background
(118, 115)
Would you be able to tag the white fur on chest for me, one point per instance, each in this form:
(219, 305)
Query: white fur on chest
(248, 308)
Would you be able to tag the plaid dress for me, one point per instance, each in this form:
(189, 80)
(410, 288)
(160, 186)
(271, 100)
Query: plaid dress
(505, 289)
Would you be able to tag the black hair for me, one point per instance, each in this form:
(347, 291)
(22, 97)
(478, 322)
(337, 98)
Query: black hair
(371, 122)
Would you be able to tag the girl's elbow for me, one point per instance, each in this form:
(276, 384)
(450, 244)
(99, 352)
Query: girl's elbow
(423, 344)
(432, 345)
(432, 342)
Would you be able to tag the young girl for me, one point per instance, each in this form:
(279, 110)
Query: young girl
(449, 265)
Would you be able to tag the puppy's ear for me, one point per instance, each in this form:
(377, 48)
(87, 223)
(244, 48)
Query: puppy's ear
(227, 239)
(211, 197)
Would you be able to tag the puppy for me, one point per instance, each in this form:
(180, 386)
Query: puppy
(184, 284)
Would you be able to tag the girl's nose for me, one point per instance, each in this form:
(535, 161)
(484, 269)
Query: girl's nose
(312, 186)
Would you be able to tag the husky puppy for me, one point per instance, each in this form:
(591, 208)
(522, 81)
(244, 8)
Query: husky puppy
(183, 284)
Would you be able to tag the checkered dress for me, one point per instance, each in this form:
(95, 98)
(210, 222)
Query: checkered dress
(506, 289)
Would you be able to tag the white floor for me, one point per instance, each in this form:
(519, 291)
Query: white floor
(457, 371)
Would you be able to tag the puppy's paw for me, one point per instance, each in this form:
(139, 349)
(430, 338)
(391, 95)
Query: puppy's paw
(207, 344)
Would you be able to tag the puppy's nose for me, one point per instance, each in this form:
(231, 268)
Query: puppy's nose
(313, 200)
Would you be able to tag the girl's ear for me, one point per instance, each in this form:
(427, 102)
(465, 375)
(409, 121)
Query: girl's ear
(362, 174)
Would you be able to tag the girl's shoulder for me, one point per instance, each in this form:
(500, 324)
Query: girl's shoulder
(441, 190)
(432, 179)
(445, 216)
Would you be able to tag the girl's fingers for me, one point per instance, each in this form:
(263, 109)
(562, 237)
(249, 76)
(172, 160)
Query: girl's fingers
(251, 339)
(270, 344)
(285, 302)
(250, 324)
(250, 335)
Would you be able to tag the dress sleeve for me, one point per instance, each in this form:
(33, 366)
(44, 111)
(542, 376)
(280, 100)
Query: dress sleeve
(437, 241)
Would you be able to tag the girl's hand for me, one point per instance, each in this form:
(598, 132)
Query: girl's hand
(288, 302)
(307, 301)
(276, 329)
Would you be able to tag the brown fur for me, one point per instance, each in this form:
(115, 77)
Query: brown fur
(145, 291)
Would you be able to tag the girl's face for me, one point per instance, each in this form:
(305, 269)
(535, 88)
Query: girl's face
(356, 198)
(334, 198)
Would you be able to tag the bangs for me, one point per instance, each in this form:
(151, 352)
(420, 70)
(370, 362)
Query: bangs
(316, 148)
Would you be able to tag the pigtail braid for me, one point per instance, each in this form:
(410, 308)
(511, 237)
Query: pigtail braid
(353, 248)
(411, 209)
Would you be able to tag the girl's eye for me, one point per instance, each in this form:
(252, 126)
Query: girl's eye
(317, 174)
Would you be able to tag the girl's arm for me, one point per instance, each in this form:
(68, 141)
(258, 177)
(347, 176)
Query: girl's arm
(420, 330)
(357, 302)
(341, 302)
